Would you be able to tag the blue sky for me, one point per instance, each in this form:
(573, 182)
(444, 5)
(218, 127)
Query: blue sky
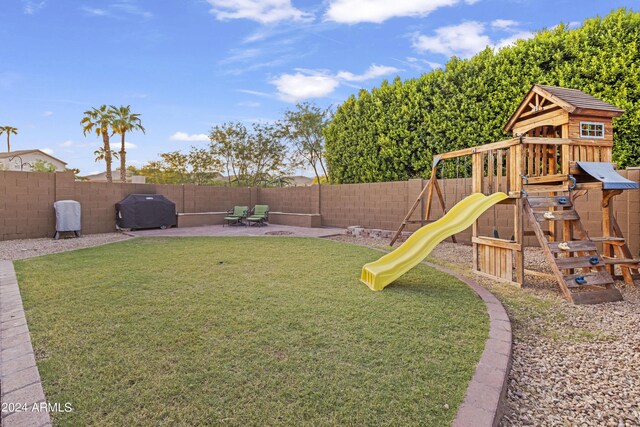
(191, 64)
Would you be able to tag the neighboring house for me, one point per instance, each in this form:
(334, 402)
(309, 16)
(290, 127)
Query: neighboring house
(115, 177)
(299, 181)
(24, 160)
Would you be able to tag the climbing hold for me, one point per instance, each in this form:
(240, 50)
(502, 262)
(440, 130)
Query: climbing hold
(594, 260)
(549, 215)
(564, 246)
(580, 280)
(562, 200)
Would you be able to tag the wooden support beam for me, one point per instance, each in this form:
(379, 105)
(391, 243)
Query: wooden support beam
(499, 243)
(518, 237)
(411, 210)
(444, 208)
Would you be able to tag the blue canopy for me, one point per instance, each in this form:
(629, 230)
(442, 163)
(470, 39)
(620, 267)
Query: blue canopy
(604, 172)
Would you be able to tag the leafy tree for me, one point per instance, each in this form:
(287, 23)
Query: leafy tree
(43, 166)
(264, 156)
(8, 130)
(99, 120)
(76, 174)
(124, 121)
(392, 131)
(303, 128)
(175, 163)
(204, 165)
(227, 141)
(100, 154)
(153, 171)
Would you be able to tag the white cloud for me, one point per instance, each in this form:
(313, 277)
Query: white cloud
(378, 11)
(504, 24)
(31, 7)
(131, 9)
(263, 11)
(464, 40)
(129, 145)
(118, 9)
(251, 104)
(94, 11)
(47, 113)
(183, 136)
(306, 84)
(507, 41)
(298, 86)
(373, 72)
(416, 63)
(73, 144)
(49, 151)
(256, 93)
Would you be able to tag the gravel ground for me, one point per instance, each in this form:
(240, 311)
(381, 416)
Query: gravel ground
(29, 248)
(572, 365)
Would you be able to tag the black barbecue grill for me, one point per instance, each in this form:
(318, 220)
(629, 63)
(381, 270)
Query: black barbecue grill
(145, 211)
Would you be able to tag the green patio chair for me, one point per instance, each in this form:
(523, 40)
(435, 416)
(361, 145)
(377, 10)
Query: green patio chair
(259, 215)
(236, 215)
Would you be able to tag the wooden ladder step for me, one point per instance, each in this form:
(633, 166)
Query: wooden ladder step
(618, 241)
(578, 262)
(574, 246)
(569, 215)
(533, 233)
(595, 279)
(544, 202)
(615, 261)
(596, 297)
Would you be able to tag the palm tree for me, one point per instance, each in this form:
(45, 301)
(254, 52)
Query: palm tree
(123, 122)
(8, 130)
(99, 120)
(99, 153)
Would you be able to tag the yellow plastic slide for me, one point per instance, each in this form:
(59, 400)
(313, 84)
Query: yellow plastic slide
(380, 273)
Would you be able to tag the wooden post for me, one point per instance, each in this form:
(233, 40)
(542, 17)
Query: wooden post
(607, 229)
(442, 205)
(477, 170)
(518, 234)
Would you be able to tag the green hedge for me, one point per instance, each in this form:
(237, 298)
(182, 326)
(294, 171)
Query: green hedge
(391, 132)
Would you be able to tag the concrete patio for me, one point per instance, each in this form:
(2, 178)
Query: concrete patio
(235, 230)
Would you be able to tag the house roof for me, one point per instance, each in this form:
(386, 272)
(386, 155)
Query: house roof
(579, 99)
(115, 174)
(7, 155)
(571, 100)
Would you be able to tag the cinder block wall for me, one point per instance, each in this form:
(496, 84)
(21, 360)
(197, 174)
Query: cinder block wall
(290, 199)
(376, 205)
(26, 201)
(26, 204)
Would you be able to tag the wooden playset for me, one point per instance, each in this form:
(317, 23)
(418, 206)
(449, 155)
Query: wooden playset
(561, 149)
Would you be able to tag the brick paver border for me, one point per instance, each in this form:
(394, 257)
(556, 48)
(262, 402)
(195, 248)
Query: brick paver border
(20, 386)
(482, 405)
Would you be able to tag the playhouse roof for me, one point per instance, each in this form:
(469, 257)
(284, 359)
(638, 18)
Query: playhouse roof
(571, 100)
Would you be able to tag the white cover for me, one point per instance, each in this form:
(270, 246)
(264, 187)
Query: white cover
(67, 215)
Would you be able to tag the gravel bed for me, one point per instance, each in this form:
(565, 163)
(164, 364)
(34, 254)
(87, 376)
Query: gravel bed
(573, 365)
(29, 248)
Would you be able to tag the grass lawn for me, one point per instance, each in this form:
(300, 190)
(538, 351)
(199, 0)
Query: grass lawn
(247, 331)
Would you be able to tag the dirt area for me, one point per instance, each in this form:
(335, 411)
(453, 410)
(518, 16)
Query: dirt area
(29, 248)
(572, 364)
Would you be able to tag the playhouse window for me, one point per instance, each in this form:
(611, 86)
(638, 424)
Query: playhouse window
(591, 130)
